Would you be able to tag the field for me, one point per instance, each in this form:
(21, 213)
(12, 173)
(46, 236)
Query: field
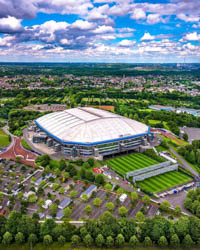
(131, 162)
(163, 182)
(4, 139)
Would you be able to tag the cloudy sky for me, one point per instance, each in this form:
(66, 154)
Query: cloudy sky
(100, 30)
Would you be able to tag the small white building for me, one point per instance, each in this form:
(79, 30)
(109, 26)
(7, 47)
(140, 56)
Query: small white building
(123, 197)
(47, 204)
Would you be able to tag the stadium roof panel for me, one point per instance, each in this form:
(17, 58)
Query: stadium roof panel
(89, 126)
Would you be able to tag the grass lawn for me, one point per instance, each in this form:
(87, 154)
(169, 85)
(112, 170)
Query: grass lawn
(25, 144)
(4, 139)
(2, 132)
(163, 182)
(130, 162)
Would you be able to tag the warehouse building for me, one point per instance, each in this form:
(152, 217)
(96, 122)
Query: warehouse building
(89, 132)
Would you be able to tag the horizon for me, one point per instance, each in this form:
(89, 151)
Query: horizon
(100, 31)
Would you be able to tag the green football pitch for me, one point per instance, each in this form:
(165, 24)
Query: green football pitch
(131, 162)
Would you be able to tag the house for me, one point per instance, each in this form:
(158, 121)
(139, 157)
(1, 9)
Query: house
(47, 204)
(64, 203)
(89, 190)
(59, 214)
(38, 181)
(123, 197)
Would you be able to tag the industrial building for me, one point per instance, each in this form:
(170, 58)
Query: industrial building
(89, 132)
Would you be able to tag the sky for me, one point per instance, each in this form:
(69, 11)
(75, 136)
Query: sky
(127, 31)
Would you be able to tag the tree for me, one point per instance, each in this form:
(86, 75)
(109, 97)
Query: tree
(47, 240)
(55, 186)
(88, 209)
(162, 241)
(147, 241)
(75, 240)
(165, 206)
(134, 197)
(110, 206)
(187, 241)
(97, 202)
(32, 198)
(109, 241)
(122, 211)
(119, 240)
(99, 240)
(84, 197)
(174, 240)
(41, 202)
(61, 190)
(73, 194)
(140, 217)
(133, 241)
(86, 165)
(67, 212)
(20, 196)
(19, 238)
(7, 238)
(146, 200)
(88, 240)
(65, 176)
(120, 191)
(82, 173)
(91, 162)
(89, 175)
(177, 210)
(185, 137)
(108, 187)
(33, 179)
(53, 208)
(99, 179)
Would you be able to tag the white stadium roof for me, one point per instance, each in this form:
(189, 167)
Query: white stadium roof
(89, 126)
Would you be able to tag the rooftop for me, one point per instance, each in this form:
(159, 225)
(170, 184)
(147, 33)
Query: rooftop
(88, 126)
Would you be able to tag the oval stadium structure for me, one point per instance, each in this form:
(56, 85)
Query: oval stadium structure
(89, 132)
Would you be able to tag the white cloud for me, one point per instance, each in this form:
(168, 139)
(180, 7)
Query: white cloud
(154, 18)
(126, 43)
(147, 37)
(188, 18)
(10, 24)
(138, 14)
(82, 25)
(191, 37)
(104, 29)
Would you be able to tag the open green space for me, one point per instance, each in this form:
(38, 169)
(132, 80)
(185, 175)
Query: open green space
(130, 162)
(4, 139)
(163, 181)
(25, 145)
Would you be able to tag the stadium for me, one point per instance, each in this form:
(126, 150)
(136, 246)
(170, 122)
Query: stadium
(89, 132)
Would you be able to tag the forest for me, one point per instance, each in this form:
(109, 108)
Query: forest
(107, 231)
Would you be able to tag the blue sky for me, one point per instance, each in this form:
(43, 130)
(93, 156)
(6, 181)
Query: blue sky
(100, 30)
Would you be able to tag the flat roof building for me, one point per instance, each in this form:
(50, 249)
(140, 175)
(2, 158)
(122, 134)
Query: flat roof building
(89, 190)
(90, 132)
(64, 203)
(161, 108)
(59, 214)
